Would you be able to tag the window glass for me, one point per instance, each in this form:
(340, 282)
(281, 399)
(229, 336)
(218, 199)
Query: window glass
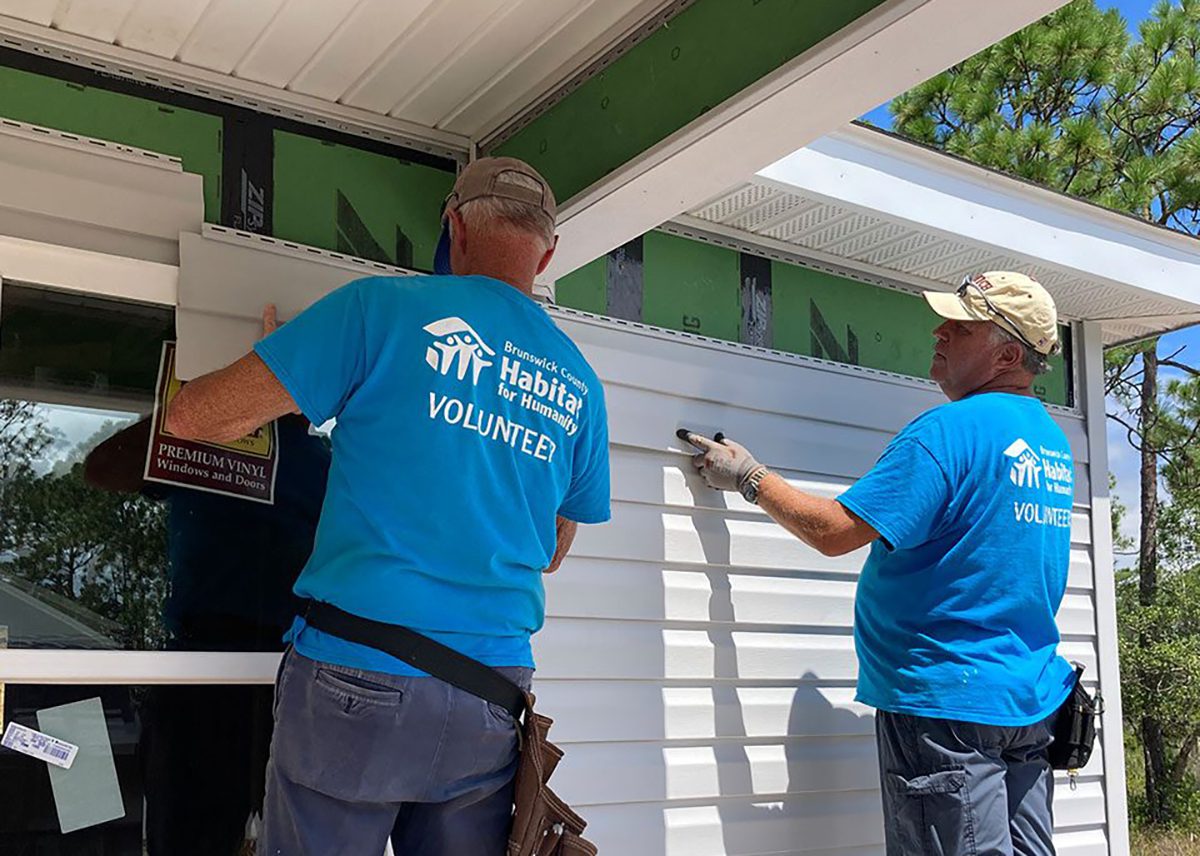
(92, 556)
(190, 765)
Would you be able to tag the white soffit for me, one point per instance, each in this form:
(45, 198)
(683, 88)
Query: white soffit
(892, 208)
(444, 70)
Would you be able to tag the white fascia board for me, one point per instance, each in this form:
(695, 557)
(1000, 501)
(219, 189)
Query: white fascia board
(899, 181)
(890, 49)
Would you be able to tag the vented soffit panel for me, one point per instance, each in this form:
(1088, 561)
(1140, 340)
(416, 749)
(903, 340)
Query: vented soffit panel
(93, 195)
(881, 206)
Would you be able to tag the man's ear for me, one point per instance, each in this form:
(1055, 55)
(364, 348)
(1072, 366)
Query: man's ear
(458, 229)
(1010, 356)
(546, 256)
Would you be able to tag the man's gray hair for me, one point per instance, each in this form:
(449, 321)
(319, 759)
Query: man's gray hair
(1033, 362)
(490, 211)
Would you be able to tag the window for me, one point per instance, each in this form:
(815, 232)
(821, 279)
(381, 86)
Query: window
(91, 556)
(189, 764)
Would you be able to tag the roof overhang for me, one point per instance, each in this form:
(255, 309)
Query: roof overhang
(636, 110)
(876, 203)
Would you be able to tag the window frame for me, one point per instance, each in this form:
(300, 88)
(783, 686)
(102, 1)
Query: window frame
(59, 268)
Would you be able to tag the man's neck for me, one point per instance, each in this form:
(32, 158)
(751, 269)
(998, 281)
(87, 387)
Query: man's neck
(519, 280)
(1019, 385)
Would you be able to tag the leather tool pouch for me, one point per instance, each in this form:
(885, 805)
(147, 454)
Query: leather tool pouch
(1075, 727)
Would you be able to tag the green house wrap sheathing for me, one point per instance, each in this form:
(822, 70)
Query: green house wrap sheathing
(191, 136)
(691, 286)
(828, 316)
(358, 202)
(585, 288)
(706, 54)
(696, 287)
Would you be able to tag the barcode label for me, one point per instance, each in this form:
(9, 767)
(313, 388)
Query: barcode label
(35, 744)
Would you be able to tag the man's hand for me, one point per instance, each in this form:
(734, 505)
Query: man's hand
(724, 464)
(231, 402)
(825, 524)
(270, 320)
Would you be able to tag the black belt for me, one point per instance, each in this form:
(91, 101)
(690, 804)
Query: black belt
(420, 652)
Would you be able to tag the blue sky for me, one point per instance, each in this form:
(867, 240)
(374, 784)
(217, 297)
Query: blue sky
(1122, 457)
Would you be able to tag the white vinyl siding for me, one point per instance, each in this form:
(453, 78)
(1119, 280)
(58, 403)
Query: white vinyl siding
(698, 660)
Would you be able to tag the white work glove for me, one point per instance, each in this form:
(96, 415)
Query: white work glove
(724, 464)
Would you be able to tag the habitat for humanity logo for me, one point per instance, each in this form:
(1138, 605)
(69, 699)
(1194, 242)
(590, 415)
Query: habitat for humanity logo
(1048, 471)
(457, 345)
(1025, 471)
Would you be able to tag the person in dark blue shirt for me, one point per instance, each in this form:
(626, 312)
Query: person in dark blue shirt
(968, 517)
(231, 565)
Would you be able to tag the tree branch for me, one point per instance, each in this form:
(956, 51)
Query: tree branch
(1131, 432)
(1179, 768)
(1194, 372)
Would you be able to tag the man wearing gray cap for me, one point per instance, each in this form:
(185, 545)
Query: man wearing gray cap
(471, 438)
(968, 514)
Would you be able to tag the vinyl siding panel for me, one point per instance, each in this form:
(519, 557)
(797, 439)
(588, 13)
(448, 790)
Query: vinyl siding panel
(698, 660)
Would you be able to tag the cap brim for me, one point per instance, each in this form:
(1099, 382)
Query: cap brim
(949, 306)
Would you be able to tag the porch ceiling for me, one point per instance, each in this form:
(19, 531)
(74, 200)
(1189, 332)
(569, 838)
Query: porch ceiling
(635, 110)
(878, 204)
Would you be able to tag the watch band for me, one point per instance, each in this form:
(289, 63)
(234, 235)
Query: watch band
(749, 486)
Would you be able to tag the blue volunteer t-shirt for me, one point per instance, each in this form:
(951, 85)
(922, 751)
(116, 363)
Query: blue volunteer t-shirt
(954, 617)
(466, 421)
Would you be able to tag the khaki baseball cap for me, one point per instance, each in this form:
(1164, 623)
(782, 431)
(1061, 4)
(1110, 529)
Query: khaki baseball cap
(504, 178)
(1017, 303)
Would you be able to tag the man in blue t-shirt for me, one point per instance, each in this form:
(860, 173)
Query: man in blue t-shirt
(968, 514)
(470, 439)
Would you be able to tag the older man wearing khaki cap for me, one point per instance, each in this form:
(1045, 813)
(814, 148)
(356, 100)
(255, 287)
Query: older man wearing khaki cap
(471, 439)
(968, 514)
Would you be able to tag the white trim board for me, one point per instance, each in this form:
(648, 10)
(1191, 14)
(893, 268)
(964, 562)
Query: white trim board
(53, 266)
(817, 92)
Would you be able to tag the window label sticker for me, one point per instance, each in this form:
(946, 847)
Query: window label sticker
(89, 793)
(35, 744)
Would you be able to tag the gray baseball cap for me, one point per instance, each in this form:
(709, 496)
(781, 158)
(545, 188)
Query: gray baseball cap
(500, 178)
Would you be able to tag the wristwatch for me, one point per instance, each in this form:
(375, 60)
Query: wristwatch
(749, 485)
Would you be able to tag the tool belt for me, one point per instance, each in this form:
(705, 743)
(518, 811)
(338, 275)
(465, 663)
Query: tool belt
(542, 824)
(1075, 728)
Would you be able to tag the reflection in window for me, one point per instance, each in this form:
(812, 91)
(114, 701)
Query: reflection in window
(92, 556)
(79, 567)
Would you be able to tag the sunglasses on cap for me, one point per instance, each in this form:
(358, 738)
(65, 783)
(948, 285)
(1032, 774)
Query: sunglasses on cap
(1008, 326)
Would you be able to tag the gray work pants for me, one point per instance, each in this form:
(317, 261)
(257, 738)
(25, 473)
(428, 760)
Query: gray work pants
(961, 789)
(359, 757)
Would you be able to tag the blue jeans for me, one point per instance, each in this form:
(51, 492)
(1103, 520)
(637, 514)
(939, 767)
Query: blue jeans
(962, 789)
(359, 756)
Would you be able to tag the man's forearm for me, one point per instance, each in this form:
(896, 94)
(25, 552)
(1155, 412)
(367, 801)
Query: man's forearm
(229, 403)
(823, 524)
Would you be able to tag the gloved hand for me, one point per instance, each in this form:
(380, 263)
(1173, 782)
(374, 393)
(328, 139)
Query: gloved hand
(724, 464)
